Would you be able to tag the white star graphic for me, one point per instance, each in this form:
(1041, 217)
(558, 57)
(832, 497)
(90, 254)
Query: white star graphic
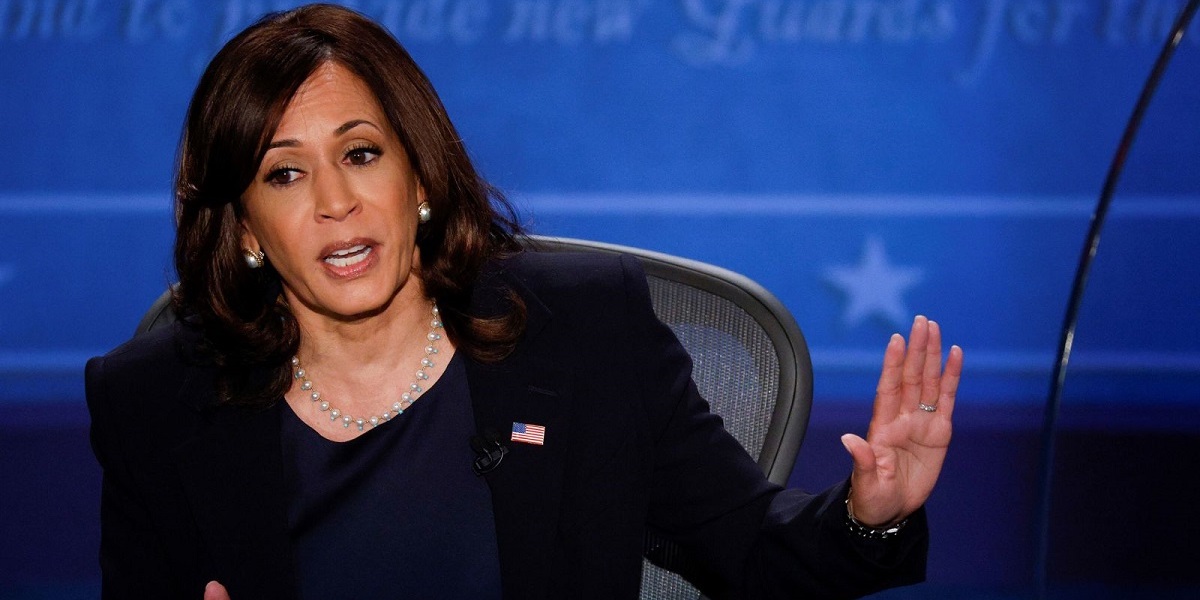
(874, 287)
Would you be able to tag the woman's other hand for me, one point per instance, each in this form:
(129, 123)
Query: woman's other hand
(215, 591)
(896, 467)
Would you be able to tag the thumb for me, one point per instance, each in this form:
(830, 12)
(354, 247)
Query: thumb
(861, 453)
(215, 591)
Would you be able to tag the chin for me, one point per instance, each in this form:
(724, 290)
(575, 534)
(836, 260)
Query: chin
(366, 303)
(353, 312)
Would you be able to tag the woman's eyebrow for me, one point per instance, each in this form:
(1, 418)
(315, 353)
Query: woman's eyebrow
(348, 125)
(286, 143)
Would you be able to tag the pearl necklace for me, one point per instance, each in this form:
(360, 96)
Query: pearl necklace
(415, 388)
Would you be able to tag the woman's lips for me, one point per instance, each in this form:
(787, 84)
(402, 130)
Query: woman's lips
(350, 258)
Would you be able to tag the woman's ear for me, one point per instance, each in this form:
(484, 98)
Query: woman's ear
(249, 240)
(252, 251)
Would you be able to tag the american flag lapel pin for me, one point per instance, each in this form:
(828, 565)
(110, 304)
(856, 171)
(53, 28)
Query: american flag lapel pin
(528, 433)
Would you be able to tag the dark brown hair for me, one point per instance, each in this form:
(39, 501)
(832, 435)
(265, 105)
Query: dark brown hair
(246, 328)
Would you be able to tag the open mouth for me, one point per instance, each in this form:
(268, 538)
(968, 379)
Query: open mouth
(348, 257)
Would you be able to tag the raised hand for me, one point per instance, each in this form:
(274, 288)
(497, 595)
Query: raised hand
(896, 467)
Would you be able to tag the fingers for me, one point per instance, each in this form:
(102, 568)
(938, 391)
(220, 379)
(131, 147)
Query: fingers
(887, 393)
(949, 385)
(913, 376)
(914, 363)
(215, 591)
(861, 454)
(930, 379)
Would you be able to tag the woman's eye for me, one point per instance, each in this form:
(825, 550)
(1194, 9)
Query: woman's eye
(282, 176)
(362, 156)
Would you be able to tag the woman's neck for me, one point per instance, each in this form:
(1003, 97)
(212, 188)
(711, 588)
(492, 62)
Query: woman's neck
(379, 340)
(362, 366)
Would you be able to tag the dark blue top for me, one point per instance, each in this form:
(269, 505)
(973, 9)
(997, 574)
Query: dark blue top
(396, 512)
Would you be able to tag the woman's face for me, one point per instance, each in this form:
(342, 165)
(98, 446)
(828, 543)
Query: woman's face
(334, 202)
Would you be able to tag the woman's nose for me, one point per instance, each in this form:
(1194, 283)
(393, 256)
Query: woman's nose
(336, 199)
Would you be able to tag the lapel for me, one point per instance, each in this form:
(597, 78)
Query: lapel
(232, 474)
(527, 486)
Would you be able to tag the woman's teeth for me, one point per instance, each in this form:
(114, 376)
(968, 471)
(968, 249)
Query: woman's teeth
(349, 256)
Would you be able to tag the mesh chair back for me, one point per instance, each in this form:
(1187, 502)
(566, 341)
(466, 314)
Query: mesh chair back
(750, 362)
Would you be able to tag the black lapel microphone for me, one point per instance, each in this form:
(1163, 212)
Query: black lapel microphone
(489, 452)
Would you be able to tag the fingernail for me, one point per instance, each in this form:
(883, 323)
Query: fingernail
(845, 444)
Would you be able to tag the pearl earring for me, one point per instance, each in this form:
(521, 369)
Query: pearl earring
(424, 213)
(255, 258)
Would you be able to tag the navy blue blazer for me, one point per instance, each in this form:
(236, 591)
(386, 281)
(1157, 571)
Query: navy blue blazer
(192, 489)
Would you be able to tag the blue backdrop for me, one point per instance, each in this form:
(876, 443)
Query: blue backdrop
(865, 160)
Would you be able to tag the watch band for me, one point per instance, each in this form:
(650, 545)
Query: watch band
(871, 533)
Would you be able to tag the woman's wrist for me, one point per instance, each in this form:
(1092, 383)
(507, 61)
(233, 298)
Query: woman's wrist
(866, 531)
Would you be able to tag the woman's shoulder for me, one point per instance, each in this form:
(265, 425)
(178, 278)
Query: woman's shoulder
(573, 273)
(589, 295)
(157, 348)
(150, 365)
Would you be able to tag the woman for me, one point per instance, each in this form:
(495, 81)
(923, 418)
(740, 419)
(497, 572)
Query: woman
(337, 251)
